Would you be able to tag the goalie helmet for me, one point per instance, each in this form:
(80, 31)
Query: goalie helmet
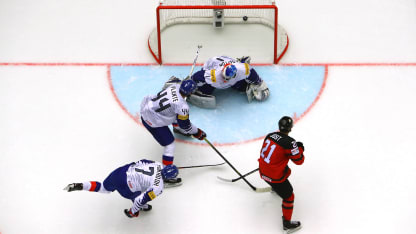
(170, 172)
(285, 124)
(187, 87)
(229, 71)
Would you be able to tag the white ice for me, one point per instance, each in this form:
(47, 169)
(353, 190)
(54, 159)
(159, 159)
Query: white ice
(61, 124)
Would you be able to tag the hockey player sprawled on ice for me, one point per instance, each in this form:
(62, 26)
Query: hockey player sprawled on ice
(140, 182)
(223, 72)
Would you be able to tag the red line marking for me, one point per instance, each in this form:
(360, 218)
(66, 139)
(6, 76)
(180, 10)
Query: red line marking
(316, 99)
(78, 64)
(199, 64)
(116, 98)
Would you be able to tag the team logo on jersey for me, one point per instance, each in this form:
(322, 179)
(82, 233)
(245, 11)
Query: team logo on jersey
(295, 149)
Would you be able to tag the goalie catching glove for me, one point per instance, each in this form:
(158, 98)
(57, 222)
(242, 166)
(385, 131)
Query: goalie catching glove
(260, 92)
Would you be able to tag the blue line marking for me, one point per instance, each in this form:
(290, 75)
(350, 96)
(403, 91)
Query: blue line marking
(292, 91)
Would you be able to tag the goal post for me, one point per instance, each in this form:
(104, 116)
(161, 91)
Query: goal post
(219, 14)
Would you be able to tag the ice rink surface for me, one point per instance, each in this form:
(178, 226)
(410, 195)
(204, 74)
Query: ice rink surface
(61, 123)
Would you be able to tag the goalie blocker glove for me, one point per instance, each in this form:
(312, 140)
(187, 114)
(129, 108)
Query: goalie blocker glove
(200, 135)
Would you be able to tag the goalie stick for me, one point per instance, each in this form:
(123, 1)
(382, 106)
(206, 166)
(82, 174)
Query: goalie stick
(237, 179)
(259, 190)
(194, 63)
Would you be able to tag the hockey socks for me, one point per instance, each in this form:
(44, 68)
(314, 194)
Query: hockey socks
(287, 207)
(167, 160)
(94, 186)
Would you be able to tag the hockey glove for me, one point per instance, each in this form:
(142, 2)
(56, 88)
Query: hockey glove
(244, 59)
(200, 135)
(130, 214)
(300, 144)
(260, 91)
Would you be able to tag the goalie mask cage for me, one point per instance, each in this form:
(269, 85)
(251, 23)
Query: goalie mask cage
(219, 13)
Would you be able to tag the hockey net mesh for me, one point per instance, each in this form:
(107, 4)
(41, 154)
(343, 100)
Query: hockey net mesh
(172, 12)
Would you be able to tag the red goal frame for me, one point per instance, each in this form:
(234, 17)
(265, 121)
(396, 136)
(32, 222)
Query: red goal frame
(158, 54)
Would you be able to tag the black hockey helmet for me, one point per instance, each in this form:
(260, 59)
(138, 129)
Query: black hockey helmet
(187, 87)
(285, 124)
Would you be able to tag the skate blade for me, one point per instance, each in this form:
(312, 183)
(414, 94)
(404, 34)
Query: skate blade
(292, 230)
(169, 185)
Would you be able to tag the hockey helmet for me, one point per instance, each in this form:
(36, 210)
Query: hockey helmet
(187, 87)
(285, 124)
(170, 172)
(229, 71)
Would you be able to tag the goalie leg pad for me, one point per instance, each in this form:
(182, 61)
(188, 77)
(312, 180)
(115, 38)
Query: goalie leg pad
(202, 100)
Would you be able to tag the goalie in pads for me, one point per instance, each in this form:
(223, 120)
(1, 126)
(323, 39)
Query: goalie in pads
(223, 72)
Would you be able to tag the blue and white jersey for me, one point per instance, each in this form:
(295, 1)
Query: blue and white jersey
(165, 108)
(145, 174)
(213, 72)
(218, 62)
(144, 177)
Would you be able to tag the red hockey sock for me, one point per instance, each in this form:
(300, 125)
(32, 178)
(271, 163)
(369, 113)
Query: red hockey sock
(287, 207)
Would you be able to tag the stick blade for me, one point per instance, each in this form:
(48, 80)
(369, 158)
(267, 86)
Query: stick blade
(224, 179)
(263, 190)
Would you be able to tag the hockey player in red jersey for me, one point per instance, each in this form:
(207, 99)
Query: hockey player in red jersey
(278, 148)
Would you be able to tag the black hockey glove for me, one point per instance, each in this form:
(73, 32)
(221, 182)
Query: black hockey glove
(200, 135)
(300, 144)
(130, 214)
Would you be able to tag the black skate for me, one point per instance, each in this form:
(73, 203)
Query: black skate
(168, 183)
(181, 133)
(290, 226)
(73, 187)
(146, 207)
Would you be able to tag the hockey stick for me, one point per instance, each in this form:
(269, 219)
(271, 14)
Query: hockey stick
(207, 165)
(237, 179)
(259, 190)
(196, 58)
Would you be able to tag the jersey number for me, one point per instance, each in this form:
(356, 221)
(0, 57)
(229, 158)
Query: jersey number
(162, 100)
(265, 149)
(149, 173)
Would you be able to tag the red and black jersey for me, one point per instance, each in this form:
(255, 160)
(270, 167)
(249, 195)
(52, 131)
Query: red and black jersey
(277, 149)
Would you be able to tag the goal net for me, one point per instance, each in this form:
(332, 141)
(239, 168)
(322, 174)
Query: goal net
(228, 25)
